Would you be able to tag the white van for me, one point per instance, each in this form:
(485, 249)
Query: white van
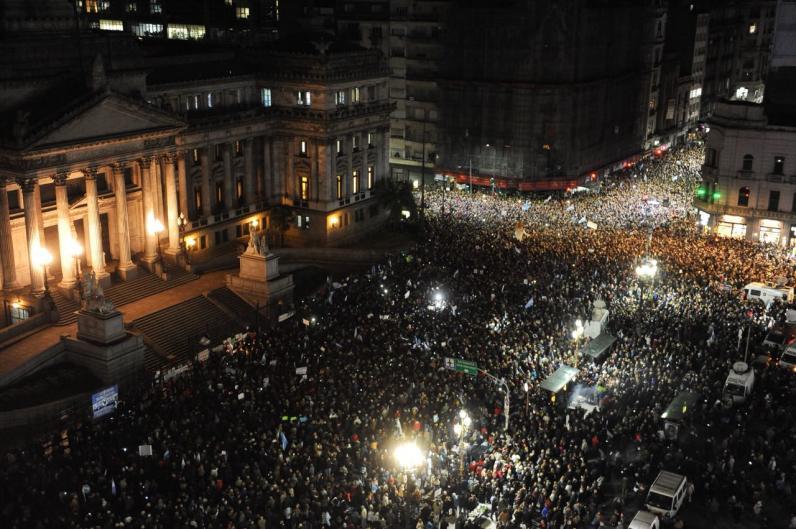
(667, 494)
(644, 520)
(788, 359)
(767, 292)
(739, 382)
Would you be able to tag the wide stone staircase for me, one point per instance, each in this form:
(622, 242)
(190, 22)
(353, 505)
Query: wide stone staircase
(173, 334)
(233, 305)
(146, 284)
(67, 309)
(122, 292)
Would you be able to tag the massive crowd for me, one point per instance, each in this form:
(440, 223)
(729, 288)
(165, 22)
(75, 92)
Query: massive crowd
(246, 439)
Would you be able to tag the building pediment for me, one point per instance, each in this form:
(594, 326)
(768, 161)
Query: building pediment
(109, 118)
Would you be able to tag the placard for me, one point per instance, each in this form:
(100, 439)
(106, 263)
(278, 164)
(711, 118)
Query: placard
(104, 402)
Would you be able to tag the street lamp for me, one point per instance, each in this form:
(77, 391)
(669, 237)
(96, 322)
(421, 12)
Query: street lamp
(42, 257)
(646, 272)
(525, 387)
(189, 242)
(155, 227)
(182, 224)
(408, 455)
(76, 250)
(577, 332)
(460, 429)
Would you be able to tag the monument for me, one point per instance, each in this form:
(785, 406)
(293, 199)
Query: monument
(103, 345)
(258, 280)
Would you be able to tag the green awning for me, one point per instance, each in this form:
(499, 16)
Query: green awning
(559, 379)
(597, 348)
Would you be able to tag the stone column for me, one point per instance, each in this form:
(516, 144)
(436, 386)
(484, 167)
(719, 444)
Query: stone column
(267, 185)
(171, 205)
(207, 199)
(127, 269)
(183, 192)
(249, 190)
(96, 257)
(150, 239)
(156, 175)
(32, 214)
(68, 279)
(6, 242)
(229, 180)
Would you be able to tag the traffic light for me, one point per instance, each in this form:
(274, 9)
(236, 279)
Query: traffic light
(716, 196)
(701, 192)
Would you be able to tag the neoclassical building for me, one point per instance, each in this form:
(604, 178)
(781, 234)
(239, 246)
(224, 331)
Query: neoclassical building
(174, 155)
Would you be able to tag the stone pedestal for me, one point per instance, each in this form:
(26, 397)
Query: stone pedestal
(259, 282)
(105, 348)
(100, 328)
(128, 272)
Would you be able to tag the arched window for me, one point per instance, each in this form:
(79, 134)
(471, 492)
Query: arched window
(743, 196)
(748, 160)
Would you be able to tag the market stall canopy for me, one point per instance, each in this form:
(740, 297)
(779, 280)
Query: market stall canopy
(559, 379)
(598, 348)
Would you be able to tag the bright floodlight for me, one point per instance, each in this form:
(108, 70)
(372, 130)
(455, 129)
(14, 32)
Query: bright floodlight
(467, 421)
(408, 455)
(647, 269)
(155, 226)
(457, 428)
(74, 248)
(42, 257)
(578, 324)
(462, 414)
(525, 386)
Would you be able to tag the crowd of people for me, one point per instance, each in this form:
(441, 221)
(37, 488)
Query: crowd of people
(297, 426)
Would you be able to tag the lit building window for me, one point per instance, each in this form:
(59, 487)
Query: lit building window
(197, 198)
(303, 147)
(265, 96)
(696, 92)
(339, 147)
(305, 188)
(370, 139)
(185, 31)
(355, 140)
(355, 95)
(303, 98)
(339, 187)
(238, 148)
(92, 6)
(209, 100)
(228, 2)
(104, 5)
(111, 25)
(155, 7)
(242, 12)
(132, 7)
(355, 182)
(145, 29)
(339, 97)
(752, 28)
(371, 175)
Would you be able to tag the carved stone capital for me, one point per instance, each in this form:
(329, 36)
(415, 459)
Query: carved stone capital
(118, 168)
(145, 162)
(60, 178)
(90, 173)
(169, 157)
(27, 184)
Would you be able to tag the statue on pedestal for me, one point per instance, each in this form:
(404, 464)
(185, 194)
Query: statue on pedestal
(258, 244)
(94, 297)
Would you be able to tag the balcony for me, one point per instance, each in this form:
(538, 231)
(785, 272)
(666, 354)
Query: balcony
(775, 177)
(745, 175)
(723, 209)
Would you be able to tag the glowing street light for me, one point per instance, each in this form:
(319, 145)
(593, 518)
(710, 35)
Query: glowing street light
(577, 332)
(646, 272)
(154, 228)
(408, 455)
(460, 429)
(76, 250)
(42, 257)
